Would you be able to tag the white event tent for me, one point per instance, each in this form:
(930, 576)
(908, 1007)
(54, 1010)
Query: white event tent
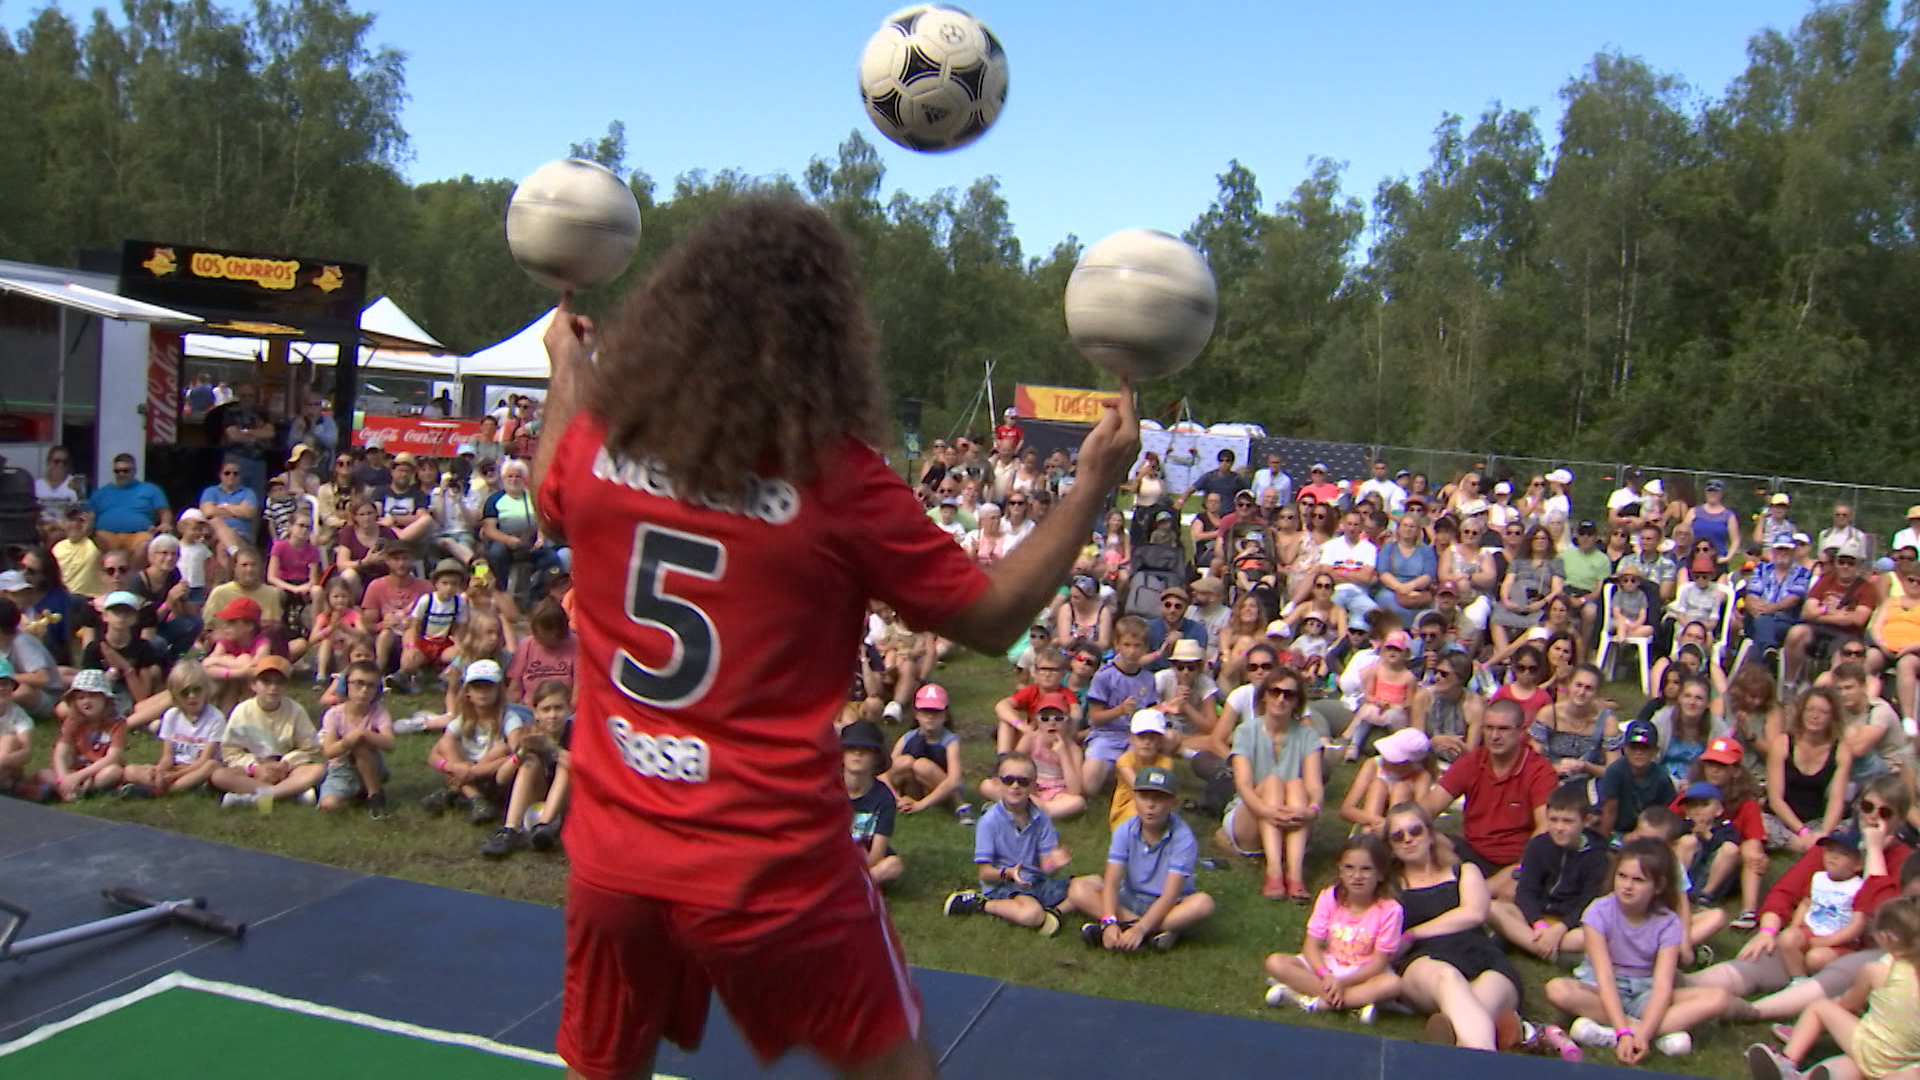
(522, 356)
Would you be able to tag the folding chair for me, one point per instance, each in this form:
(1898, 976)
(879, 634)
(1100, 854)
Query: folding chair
(1644, 645)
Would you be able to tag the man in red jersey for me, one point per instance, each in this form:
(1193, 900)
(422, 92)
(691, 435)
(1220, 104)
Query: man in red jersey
(712, 467)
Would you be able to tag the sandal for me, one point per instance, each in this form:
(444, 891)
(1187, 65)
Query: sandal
(1275, 888)
(1297, 892)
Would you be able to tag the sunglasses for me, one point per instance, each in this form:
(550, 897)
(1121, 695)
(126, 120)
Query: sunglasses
(1259, 667)
(190, 691)
(1411, 832)
(123, 470)
(1853, 652)
(114, 571)
(1526, 667)
(1016, 781)
(1287, 693)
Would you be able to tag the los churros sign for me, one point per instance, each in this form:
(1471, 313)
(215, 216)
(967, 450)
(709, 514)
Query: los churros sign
(251, 293)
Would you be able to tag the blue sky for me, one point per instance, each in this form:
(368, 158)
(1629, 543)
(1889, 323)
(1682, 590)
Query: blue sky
(1120, 114)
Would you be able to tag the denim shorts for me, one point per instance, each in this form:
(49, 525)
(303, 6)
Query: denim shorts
(1051, 892)
(343, 780)
(1635, 990)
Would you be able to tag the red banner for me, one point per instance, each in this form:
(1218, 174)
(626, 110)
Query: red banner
(163, 384)
(1062, 403)
(417, 434)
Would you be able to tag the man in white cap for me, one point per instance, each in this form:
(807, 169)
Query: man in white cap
(1909, 536)
(1774, 595)
(1560, 503)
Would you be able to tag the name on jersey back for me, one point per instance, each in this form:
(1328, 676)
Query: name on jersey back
(773, 501)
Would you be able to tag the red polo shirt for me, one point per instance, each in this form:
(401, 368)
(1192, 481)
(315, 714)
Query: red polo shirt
(1499, 814)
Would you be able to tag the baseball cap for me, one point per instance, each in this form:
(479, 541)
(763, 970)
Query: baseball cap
(1723, 751)
(192, 513)
(1398, 640)
(275, 664)
(464, 449)
(950, 501)
(404, 458)
(240, 607)
(1149, 720)
(1279, 628)
(1849, 549)
(1586, 527)
(1560, 476)
(13, 581)
(1403, 746)
(1780, 499)
(1783, 541)
(1655, 487)
(90, 681)
(1319, 466)
(1699, 790)
(1802, 538)
(1155, 778)
(121, 598)
(483, 671)
(1842, 838)
(1186, 651)
(930, 697)
(1640, 733)
(1403, 472)
(1716, 485)
(863, 735)
(299, 451)
(1503, 488)
(1056, 701)
(1086, 584)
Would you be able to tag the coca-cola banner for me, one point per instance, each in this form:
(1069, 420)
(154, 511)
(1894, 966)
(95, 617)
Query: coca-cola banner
(417, 434)
(163, 384)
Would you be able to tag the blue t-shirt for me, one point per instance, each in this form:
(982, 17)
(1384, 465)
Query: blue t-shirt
(999, 841)
(1147, 865)
(1424, 562)
(240, 496)
(132, 507)
(1190, 629)
(1111, 686)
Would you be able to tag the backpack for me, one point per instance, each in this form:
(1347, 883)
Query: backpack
(1156, 568)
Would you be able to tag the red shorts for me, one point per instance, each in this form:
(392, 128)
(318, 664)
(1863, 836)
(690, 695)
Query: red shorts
(830, 977)
(433, 648)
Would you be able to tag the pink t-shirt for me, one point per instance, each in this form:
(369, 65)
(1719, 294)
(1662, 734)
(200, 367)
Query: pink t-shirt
(1351, 939)
(296, 563)
(392, 598)
(534, 663)
(336, 724)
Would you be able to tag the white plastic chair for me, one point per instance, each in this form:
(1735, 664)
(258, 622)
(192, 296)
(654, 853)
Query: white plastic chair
(1644, 645)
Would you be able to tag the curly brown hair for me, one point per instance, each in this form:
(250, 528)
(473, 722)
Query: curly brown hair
(747, 353)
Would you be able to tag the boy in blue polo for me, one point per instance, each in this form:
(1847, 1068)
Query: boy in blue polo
(1016, 850)
(1147, 896)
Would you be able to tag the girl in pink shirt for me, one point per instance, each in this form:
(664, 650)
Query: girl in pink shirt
(1346, 960)
(549, 655)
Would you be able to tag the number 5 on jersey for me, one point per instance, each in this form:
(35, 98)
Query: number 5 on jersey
(688, 672)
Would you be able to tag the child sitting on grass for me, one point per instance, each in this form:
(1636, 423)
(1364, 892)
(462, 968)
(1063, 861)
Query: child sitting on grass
(337, 618)
(485, 637)
(1884, 1041)
(1146, 749)
(1147, 896)
(270, 750)
(1401, 771)
(1561, 872)
(433, 620)
(238, 649)
(551, 652)
(1624, 995)
(1634, 781)
(359, 649)
(926, 760)
(1739, 806)
(1056, 756)
(1016, 851)
(190, 733)
(1826, 923)
(1346, 961)
(16, 733)
(1662, 824)
(1015, 712)
(1122, 687)
(472, 752)
(542, 774)
(355, 737)
(90, 755)
(874, 804)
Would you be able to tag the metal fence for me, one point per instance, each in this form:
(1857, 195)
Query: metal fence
(1878, 510)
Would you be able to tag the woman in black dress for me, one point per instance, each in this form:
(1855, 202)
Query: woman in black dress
(1450, 966)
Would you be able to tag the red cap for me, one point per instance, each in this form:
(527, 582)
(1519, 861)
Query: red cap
(1723, 751)
(1055, 699)
(930, 697)
(240, 607)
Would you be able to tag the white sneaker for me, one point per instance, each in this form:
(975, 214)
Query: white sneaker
(411, 725)
(234, 800)
(309, 797)
(1281, 994)
(893, 711)
(1366, 1014)
(1677, 1044)
(1586, 1032)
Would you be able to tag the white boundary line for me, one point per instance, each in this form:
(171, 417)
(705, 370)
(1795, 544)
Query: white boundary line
(182, 981)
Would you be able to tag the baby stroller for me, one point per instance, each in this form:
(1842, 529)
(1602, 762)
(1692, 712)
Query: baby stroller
(1159, 561)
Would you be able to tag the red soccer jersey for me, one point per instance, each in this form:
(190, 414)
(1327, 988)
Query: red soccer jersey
(714, 649)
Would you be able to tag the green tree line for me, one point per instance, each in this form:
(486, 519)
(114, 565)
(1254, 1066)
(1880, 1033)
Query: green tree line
(1661, 275)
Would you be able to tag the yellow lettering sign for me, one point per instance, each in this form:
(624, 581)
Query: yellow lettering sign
(266, 273)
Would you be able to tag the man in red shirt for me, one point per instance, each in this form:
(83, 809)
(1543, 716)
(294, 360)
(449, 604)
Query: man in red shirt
(385, 606)
(713, 469)
(1506, 785)
(1838, 607)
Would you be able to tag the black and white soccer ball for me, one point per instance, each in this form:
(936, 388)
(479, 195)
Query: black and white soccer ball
(933, 77)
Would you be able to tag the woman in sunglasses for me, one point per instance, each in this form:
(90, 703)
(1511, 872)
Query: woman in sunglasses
(1450, 967)
(1277, 775)
(1879, 813)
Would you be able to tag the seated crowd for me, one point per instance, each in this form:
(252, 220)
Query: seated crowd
(366, 579)
(1437, 651)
